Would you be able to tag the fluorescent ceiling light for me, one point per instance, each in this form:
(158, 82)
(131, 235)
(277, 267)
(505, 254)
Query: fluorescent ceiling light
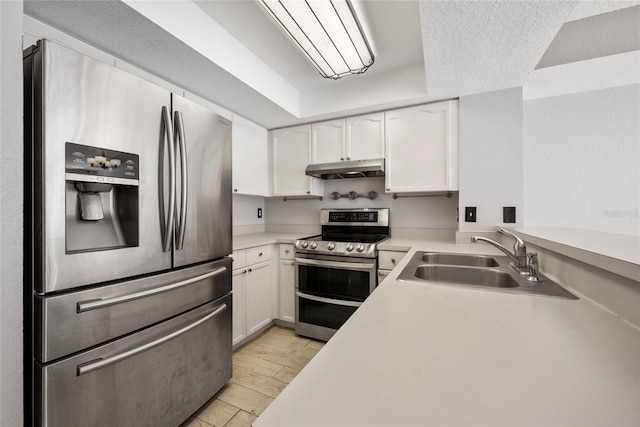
(328, 33)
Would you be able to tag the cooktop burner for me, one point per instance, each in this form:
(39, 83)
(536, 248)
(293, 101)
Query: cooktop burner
(348, 232)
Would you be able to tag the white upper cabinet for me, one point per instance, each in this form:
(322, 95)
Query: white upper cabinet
(291, 154)
(365, 137)
(328, 141)
(354, 138)
(250, 158)
(422, 148)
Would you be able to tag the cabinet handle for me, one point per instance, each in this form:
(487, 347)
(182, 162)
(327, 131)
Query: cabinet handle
(260, 254)
(308, 192)
(286, 251)
(249, 270)
(235, 190)
(388, 189)
(348, 158)
(341, 158)
(393, 261)
(244, 271)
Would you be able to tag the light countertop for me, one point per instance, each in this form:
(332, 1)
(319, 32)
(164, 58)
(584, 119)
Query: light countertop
(244, 241)
(417, 355)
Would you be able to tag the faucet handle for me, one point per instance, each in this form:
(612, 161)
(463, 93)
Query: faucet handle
(519, 247)
(508, 233)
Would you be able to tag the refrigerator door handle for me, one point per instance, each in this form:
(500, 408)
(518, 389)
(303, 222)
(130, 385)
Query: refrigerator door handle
(96, 364)
(168, 220)
(181, 146)
(83, 306)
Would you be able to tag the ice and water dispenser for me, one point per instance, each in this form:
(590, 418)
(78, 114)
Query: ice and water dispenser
(101, 198)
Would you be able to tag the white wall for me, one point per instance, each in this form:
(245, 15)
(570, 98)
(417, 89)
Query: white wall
(245, 210)
(11, 224)
(582, 149)
(490, 155)
(405, 212)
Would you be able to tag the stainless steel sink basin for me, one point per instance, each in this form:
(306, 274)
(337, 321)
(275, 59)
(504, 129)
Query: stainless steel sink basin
(476, 272)
(459, 259)
(466, 276)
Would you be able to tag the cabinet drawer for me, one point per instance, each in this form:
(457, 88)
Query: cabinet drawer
(239, 258)
(387, 260)
(258, 254)
(286, 251)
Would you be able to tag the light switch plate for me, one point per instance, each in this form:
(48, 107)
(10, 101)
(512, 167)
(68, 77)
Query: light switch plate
(470, 214)
(509, 214)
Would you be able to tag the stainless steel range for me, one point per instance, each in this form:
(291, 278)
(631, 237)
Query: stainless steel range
(336, 270)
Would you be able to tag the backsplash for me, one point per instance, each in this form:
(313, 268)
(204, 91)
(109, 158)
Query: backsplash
(405, 212)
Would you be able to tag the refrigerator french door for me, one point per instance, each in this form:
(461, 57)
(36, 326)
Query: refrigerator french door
(127, 232)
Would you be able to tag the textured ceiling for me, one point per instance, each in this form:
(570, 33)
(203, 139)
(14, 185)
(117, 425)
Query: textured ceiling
(474, 47)
(228, 52)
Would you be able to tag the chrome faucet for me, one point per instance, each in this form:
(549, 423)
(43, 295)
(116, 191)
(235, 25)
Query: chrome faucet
(525, 262)
(519, 248)
(519, 255)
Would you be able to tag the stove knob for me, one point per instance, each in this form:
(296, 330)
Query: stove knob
(349, 247)
(331, 246)
(313, 245)
(360, 247)
(304, 244)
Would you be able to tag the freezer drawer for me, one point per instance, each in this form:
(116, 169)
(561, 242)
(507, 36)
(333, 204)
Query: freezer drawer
(75, 321)
(156, 377)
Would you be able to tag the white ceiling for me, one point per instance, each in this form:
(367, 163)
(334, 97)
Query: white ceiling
(228, 51)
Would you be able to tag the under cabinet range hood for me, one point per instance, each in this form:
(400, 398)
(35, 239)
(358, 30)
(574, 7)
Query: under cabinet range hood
(347, 169)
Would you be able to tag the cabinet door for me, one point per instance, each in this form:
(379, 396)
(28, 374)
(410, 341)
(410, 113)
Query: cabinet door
(250, 158)
(382, 274)
(239, 321)
(327, 141)
(420, 150)
(258, 296)
(287, 291)
(291, 151)
(365, 137)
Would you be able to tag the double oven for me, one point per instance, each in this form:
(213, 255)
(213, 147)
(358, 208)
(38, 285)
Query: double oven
(336, 271)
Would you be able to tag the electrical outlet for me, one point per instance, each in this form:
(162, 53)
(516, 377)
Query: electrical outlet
(259, 212)
(509, 214)
(470, 214)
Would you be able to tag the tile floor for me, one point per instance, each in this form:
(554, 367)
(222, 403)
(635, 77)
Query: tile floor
(261, 370)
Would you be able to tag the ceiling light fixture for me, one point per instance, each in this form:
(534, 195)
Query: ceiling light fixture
(327, 31)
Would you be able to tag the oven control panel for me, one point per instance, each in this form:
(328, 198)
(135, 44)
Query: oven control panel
(366, 217)
(310, 245)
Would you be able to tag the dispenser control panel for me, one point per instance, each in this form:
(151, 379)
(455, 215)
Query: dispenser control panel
(97, 164)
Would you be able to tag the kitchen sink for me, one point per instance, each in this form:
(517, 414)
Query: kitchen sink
(477, 272)
(466, 276)
(459, 259)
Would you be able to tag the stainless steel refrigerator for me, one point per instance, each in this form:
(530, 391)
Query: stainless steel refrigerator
(127, 237)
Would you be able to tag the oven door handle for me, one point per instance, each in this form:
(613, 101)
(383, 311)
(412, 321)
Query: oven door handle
(343, 265)
(328, 300)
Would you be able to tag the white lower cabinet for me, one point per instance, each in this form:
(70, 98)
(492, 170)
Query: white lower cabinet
(239, 318)
(387, 261)
(258, 296)
(382, 274)
(251, 286)
(287, 284)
